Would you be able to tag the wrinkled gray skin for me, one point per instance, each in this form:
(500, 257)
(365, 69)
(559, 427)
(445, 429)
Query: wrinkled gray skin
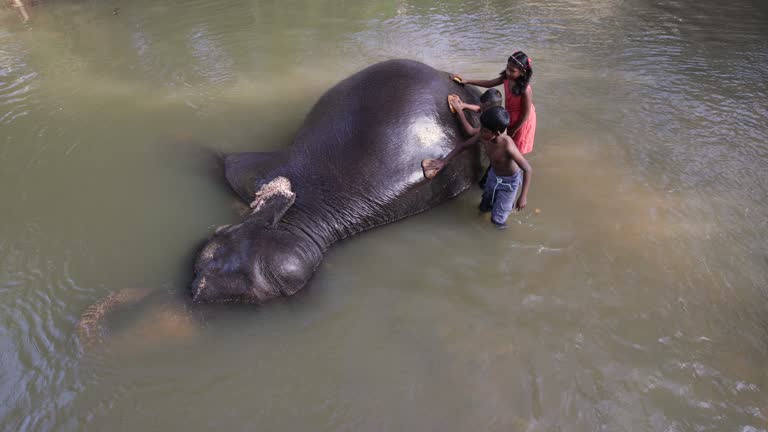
(354, 165)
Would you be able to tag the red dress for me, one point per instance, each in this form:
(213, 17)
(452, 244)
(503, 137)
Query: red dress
(524, 136)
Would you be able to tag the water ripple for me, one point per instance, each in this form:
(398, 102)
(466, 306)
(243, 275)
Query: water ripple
(17, 82)
(634, 301)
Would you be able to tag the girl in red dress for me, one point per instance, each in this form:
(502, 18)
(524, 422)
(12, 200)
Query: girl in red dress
(518, 98)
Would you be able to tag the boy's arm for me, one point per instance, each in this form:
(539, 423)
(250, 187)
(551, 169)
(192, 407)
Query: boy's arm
(526, 101)
(433, 166)
(527, 172)
(468, 128)
(472, 107)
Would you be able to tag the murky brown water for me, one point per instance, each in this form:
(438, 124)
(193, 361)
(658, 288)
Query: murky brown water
(636, 299)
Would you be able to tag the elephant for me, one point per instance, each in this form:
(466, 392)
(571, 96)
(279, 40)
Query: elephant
(355, 164)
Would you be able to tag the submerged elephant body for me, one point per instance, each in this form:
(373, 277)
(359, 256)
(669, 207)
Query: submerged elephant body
(355, 164)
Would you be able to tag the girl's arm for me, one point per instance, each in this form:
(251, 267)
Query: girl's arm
(472, 107)
(525, 109)
(482, 83)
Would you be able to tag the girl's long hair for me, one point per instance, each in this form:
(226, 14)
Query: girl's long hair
(521, 61)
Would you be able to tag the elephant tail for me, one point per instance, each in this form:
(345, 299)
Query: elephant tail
(91, 328)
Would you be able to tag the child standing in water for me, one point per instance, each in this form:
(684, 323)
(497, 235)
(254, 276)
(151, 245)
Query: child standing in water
(491, 98)
(518, 99)
(508, 166)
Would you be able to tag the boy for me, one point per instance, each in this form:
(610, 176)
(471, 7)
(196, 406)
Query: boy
(506, 164)
(489, 99)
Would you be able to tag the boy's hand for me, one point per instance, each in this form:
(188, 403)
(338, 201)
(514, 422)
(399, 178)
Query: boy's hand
(521, 202)
(431, 167)
(454, 101)
(457, 78)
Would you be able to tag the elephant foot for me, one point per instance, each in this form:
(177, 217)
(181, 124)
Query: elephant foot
(158, 327)
(91, 328)
(159, 324)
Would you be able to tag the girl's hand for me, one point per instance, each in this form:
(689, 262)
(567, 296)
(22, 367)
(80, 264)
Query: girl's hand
(521, 202)
(457, 78)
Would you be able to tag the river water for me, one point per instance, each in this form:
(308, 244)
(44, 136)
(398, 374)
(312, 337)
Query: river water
(632, 294)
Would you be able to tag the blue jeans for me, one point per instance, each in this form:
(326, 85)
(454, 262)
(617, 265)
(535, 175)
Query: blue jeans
(499, 195)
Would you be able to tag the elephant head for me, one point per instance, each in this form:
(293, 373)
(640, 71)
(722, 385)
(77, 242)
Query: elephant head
(257, 259)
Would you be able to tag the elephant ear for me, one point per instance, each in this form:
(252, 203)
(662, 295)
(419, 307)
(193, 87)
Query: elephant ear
(246, 170)
(271, 201)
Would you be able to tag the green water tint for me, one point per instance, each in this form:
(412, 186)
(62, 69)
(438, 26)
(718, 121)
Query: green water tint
(634, 300)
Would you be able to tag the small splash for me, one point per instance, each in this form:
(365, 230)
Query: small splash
(532, 300)
(539, 247)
